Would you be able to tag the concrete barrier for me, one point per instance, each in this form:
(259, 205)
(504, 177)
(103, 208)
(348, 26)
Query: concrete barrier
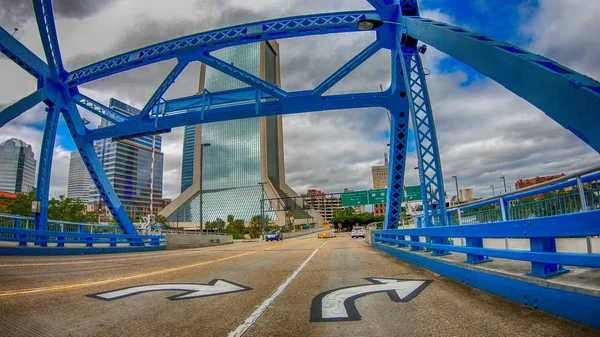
(195, 240)
(302, 232)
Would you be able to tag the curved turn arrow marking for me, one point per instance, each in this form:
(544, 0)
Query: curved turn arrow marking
(338, 304)
(191, 290)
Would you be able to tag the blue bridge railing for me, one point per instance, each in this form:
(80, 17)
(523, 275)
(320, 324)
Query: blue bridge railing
(21, 229)
(567, 207)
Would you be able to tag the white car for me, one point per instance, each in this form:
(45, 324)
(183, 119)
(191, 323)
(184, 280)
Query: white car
(358, 232)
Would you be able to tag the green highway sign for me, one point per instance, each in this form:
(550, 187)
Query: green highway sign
(413, 193)
(372, 197)
(378, 196)
(356, 198)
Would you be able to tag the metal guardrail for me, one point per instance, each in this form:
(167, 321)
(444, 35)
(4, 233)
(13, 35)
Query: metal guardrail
(572, 210)
(21, 229)
(541, 232)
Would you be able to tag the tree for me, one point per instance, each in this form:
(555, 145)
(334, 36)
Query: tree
(162, 220)
(210, 225)
(68, 209)
(255, 226)
(22, 204)
(219, 224)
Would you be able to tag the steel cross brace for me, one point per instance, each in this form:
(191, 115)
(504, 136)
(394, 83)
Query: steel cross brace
(164, 86)
(94, 167)
(243, 76)
(99, 109)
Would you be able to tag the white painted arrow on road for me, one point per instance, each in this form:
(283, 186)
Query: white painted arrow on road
(214, 287)
(338, 304)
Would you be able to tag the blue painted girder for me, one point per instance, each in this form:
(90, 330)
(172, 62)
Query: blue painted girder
(569, 98)
(16, 109)
(191, 45)
(304, 102)
(99, 109)
(164, 86)
(18, 53)
(95, 169)
(45, 22)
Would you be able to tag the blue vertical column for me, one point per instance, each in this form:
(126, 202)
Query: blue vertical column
(44, 170)
(428, 156)
(398, 139)
(544, 270)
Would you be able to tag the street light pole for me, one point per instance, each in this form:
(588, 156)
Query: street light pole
(504, 181)
(457, 194)
(493, 193)
(201, 184)
(262, 209)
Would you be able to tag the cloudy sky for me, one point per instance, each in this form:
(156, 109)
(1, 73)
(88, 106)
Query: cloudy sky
(484, 131)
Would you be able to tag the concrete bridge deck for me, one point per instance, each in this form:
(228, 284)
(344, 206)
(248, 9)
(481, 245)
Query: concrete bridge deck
(50, 296)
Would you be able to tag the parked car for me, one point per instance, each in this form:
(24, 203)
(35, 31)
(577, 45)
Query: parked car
(358, 232)
(274, 236)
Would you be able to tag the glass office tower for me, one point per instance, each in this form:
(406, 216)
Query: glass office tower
(241, 154)
(128, 166)
(17, 166)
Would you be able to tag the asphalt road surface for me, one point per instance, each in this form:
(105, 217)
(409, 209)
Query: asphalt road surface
(303, 287)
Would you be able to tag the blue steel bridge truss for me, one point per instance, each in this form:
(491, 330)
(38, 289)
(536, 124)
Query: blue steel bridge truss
(569, 98)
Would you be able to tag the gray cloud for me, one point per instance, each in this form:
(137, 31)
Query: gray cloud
(16, 13)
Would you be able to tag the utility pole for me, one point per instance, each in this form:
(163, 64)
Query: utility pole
(262, 209)
(493, 193)
(504, 181)
(457, 194)
(201, 179)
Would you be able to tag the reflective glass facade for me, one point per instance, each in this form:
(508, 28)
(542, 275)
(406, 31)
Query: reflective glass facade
(17, 166)
(79, 179)
(128, 165)
(232, 162)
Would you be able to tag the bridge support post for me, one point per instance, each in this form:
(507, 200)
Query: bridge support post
(473, 258)
(545, 270)
(415, 239)
(428, 157)
(44, 170)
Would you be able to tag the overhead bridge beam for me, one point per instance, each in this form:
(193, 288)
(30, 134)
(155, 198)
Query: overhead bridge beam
(283, 28)
(569, 98)
(296, 103)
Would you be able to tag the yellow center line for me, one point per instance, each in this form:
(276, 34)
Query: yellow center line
(124, 278)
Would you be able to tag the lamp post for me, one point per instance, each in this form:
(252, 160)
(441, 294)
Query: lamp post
(262, 209)
(493, 193)
(504, 181)
(201, 184)
(457, 194)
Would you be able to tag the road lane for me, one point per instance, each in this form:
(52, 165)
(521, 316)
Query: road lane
(72, 312)
(284, 278)
(443, 308)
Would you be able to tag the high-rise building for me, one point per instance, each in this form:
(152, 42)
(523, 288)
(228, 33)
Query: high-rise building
(134, 167)
(224, 163)
(17, 166)
(79, 183)
(324, 203)
(466, 194)
(380, 180)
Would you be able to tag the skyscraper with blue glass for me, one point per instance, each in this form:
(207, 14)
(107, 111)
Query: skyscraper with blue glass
(237, 155)
(134, 169)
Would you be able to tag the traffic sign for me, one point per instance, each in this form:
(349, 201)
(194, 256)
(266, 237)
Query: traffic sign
(356, 198)
(378, 196)
(413, 193)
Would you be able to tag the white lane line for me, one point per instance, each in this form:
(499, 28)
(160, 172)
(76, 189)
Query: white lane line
(261, 309)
